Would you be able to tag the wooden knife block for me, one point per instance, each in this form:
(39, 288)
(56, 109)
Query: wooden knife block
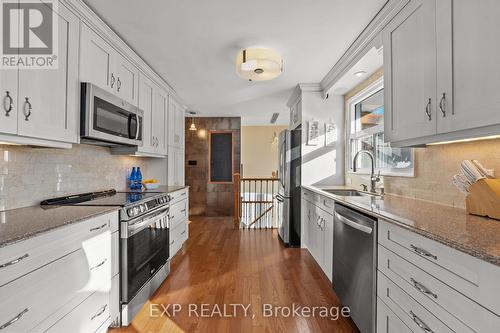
(484, 198)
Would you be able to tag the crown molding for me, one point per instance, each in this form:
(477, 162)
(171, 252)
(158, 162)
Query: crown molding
(369, 37)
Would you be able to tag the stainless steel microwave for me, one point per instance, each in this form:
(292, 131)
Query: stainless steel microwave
(107, 119)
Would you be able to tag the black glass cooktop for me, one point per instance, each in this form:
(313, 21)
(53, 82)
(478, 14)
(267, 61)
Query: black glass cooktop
(103, 198)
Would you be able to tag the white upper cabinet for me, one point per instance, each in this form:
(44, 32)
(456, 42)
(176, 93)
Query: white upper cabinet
(160, 136)
(146, 95)
(441, 75)
(8, 91)
(176, 123)
(468, 74)
(44, 103)
(96, 59)
(127, 79)
(410, 67)
(103, 66)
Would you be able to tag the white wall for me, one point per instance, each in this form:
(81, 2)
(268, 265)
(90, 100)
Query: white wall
(323, 165)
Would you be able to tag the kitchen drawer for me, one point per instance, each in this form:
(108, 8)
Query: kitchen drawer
(179, 195)
(319, 200)
(87, 317)
(388, 322)
(445, 302)
(178, 236)
(31, 254)
(37, 295)
(412, 313)
(470, 276)
(178, 213)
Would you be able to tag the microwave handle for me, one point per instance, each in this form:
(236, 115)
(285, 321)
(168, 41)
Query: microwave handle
(137, 126)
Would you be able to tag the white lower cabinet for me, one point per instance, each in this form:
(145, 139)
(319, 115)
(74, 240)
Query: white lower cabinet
(318, 229)
(432, 287)
(178, 217)
(50, 290)
(388, 321)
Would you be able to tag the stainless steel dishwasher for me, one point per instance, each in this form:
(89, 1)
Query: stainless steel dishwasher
(354, 265)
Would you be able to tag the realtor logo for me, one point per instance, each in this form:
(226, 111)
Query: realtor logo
(29, 34)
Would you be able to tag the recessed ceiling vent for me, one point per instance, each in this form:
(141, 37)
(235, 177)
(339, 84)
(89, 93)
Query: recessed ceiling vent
(274, 117)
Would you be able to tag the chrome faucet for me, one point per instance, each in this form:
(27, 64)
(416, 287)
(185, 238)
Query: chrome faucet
(373, 179)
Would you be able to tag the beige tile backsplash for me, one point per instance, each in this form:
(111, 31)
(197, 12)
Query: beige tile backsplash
(29, 175)
(434, 169)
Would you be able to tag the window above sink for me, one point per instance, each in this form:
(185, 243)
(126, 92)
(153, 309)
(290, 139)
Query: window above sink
(365, 131)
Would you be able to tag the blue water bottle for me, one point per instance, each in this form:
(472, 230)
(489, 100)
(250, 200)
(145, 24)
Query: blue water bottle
(132, 179)
(138, 179)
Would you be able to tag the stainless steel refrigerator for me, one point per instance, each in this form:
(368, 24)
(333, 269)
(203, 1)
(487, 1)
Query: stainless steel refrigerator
(289, 187)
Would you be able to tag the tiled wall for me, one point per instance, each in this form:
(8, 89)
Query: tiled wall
(434, 167)
(206, 198)
(30, 175)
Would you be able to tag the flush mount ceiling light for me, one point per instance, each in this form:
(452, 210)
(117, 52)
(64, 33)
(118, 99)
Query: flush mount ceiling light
(359, 73)
(259, 64)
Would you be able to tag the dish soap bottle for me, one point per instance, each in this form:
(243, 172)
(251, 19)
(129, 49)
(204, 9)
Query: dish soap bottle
(132, 179)
(139, 179)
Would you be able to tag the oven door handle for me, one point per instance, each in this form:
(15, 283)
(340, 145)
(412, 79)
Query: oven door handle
(134, 228)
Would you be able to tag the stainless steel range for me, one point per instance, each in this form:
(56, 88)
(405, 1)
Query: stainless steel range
(144, 242)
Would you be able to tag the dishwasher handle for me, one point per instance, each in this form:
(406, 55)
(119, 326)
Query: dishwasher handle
(353, 224)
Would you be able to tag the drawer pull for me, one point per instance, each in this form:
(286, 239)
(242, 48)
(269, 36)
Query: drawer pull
(423, 252)
(13, 320)
(423, 289)
(182, 233)
(184, 210)
(172, 242)
(99, 313)
(15, 261)
(420, 323)
(99, 228)
(99, 264)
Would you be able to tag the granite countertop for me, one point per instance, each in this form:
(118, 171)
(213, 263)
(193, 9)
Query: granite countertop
(474, 235)
(23, 223)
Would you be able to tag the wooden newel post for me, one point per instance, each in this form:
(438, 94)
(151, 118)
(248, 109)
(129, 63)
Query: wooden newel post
(237, 198)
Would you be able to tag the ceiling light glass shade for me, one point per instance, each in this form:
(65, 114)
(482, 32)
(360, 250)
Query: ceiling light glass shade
(259, 64)
(192, 127)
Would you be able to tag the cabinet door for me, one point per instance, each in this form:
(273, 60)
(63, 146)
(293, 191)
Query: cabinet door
(96, 60)
(468, 72)
(146, 95)
(410, 72)
(8, 93)
(158, 126)
(171, 166)
(316, 236)
(388, 322)
(180, 167)
(171, 121)
(49, 98)
(328, 245)
(180, 126)
(126, 79)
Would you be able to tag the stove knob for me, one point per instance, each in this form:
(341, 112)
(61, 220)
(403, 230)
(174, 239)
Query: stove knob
(142, 207)
(136, 210)
(130, 212)
(161, 200)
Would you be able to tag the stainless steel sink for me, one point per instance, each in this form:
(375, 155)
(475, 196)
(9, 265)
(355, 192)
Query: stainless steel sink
(350, 193)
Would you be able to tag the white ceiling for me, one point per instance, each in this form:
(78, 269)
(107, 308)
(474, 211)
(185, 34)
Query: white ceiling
(193, 45)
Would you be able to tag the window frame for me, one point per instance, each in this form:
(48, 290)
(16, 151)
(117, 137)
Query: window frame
(366, 92)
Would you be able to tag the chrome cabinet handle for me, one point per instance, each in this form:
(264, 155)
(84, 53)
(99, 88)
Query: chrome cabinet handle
(112, 80)
(423, 252)
(13, 320)
(10, 103)
(182, 233)
(27, 102)
(99, 227)
(172, 242)
(101, 311)
(99, 264)
(441, 104)
(428, 109)
(15, 261)
(184, 210)
(420, 323)
(118, 84)
(423, 289)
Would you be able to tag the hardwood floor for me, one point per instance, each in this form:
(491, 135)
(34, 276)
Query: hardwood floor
(222, 265)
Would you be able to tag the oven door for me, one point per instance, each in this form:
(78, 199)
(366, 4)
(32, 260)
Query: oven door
(144, 250)
(108, 118)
